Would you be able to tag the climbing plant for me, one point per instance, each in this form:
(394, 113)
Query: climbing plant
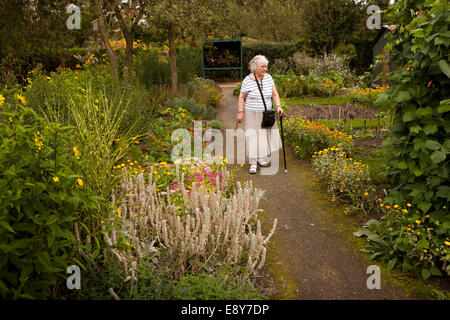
(418, 169)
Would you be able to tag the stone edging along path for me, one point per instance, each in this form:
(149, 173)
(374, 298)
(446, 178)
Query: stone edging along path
(313, 249)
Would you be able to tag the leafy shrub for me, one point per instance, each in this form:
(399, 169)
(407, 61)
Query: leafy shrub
(215, 124)
(237, 89)
(158, 142)
(347, 181)
(154, 282)
(152, 69)
(418, 168)
(204, 92)
(302, 64)
(298, 86)
(272, 51)
(406, 238)
(200, 112)
(366, 96)
(189, 64)
(213, 287)
(308, 137)
(42, 192)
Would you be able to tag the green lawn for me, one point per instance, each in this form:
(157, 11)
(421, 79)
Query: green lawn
(334, 100)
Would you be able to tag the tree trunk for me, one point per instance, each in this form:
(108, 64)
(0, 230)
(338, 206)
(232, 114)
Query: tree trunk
(105, 39)
(128, 34)
(173, 62)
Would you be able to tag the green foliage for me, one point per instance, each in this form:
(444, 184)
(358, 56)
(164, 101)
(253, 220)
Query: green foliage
(159, 145)
(319, 21)
(215, 124)
(154, 282)
(419, 165)
(214, 287)
(299, 86)
(41, 193)
(348, 181)
(189, 63)
(152, 69)
(271, 51)
(271, 19)
(204, 92)
(200, 112)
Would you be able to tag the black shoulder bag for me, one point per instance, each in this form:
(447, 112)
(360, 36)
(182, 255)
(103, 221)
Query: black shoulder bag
(268, 115)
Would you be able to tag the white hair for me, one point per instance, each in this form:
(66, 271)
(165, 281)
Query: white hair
(253, 64)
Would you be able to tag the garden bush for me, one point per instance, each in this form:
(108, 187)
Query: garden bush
(204, 92)
(366, 97)
(418, 168)
(42, 191)
(348, 181)
(200, 112)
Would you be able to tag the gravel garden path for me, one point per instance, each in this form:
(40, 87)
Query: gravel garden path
(313, 252)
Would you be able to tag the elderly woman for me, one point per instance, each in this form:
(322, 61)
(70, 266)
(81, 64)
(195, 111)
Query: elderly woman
(251, 107)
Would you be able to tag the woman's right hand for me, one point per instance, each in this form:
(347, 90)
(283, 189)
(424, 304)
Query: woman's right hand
(240, 117)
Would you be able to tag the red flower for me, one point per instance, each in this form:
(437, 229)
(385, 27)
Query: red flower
(429, 83)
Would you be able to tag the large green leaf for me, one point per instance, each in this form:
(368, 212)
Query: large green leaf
(425, 274)
(444, 67)
(430, 129)
(403, 96)
(438, 156)
(432, 145)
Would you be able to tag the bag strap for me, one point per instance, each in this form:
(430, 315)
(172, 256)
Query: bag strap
(264, 101)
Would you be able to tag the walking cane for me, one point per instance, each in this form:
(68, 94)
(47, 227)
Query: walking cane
(282, 142)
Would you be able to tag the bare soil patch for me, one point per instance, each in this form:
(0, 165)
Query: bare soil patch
(316, 111)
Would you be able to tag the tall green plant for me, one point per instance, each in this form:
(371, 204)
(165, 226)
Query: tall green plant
(420, 135)
(42, 191)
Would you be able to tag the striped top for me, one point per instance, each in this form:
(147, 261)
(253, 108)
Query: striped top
(253, 101)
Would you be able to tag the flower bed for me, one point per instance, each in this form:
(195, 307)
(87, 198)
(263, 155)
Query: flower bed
(348, 181)
(366, 96)
(308, 137)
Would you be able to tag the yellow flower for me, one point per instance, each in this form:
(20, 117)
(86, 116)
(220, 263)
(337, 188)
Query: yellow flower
(395, 206)
(75, 151)
(2, 100)
(37, 142)
(409, 204)
(447, 243)
(182, 114)
(22, 99)
(80, 182)
(366, 194)
(118, 212)
(55, 179)
(404, 211)
(418, 221)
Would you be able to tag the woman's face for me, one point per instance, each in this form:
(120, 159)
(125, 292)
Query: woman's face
(261, 69)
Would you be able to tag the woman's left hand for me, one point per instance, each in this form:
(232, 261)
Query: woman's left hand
(280, 111)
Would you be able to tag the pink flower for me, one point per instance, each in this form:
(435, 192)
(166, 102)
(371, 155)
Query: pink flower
(199, 178)
(190, 192)
(213, 183)
(198, 184)
(175, 185)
